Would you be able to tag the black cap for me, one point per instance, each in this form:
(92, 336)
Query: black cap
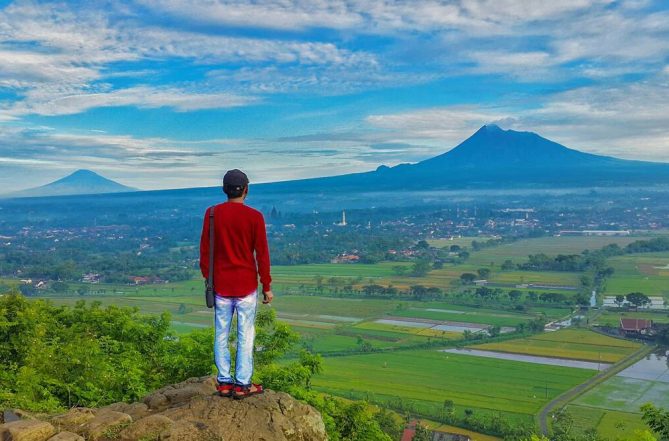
(235, 178)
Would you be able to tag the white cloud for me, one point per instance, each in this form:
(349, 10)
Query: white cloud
(535, 65)
(384, 16)
(25, 68)
(445, 125)
(51, 102)
(270, 14)
(57, 55)
(613, 37)
(522, 11)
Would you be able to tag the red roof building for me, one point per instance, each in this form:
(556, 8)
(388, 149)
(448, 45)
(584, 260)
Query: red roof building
(635, 325)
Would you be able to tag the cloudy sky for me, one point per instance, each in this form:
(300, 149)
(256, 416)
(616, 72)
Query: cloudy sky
(171, 93)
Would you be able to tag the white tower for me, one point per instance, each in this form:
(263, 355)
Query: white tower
(343, 218)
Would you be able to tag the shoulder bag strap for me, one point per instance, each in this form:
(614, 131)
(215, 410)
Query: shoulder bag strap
(210, 279)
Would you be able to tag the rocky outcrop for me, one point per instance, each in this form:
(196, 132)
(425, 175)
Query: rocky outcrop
(188, 411)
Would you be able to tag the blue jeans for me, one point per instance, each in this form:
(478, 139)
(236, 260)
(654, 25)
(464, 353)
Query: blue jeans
(246, 333)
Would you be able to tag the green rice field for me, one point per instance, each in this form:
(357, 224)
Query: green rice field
(610, 424)
(384, 274)
(612, 317)
(646, 273)
(551, 246)
(513, 388)
(614, 405)
(577, 344)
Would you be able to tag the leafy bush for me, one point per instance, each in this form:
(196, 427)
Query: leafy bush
(53, 357)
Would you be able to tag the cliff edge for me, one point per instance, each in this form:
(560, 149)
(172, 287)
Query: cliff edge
(187, 411)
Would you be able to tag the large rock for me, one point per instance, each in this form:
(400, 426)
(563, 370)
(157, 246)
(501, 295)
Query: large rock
(73, 419)
(147, 428)
(268, 417)
(106, 424)
(190, 411)
(135, 410)
(67, 436)
(26, 430)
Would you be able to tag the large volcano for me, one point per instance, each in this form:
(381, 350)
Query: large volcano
(79, 182)
(493, 157)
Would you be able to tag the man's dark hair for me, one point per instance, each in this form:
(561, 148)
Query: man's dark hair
(233, 191)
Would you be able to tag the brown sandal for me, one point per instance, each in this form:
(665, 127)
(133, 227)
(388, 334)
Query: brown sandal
(246, 391)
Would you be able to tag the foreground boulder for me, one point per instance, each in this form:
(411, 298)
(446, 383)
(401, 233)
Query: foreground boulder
(26, 430)
(187, 411)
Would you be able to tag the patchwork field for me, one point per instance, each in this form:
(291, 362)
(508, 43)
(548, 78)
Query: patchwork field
(615, 403)
(335, 320)
(577, 344)
(640, 272)
(610, 424)
(551, 246)
(334, 275)
(513, 388)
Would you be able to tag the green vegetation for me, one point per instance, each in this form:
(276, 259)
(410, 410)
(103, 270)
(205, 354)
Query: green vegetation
(335, 308)
(609, 424)
(54, 357)
(552, 246)
(577, 344)
(401, 380)
(642, 273)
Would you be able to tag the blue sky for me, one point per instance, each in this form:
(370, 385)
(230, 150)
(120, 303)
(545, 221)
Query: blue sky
(171, 93)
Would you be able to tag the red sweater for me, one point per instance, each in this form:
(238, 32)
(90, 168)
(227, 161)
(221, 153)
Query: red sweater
(239, 231)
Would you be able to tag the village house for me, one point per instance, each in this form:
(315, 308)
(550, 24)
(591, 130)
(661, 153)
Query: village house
(635, 326)
(140, 280)
(91, 278)
(346, 258)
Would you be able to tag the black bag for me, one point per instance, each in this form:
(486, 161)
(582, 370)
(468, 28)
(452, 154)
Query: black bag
(209, 284)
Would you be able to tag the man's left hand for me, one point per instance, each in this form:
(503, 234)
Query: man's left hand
(268, 297)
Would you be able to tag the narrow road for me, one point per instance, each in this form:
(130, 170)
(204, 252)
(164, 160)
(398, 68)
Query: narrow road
(569, 395)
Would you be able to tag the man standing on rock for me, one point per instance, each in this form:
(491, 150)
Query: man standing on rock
(241, 255)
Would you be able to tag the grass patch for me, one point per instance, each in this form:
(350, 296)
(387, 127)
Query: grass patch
(511, 387)
(638, 272)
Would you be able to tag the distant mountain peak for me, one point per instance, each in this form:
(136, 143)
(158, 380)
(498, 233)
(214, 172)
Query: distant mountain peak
(82, 174)
(491, 128)
(492, 147)
(81, 181)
